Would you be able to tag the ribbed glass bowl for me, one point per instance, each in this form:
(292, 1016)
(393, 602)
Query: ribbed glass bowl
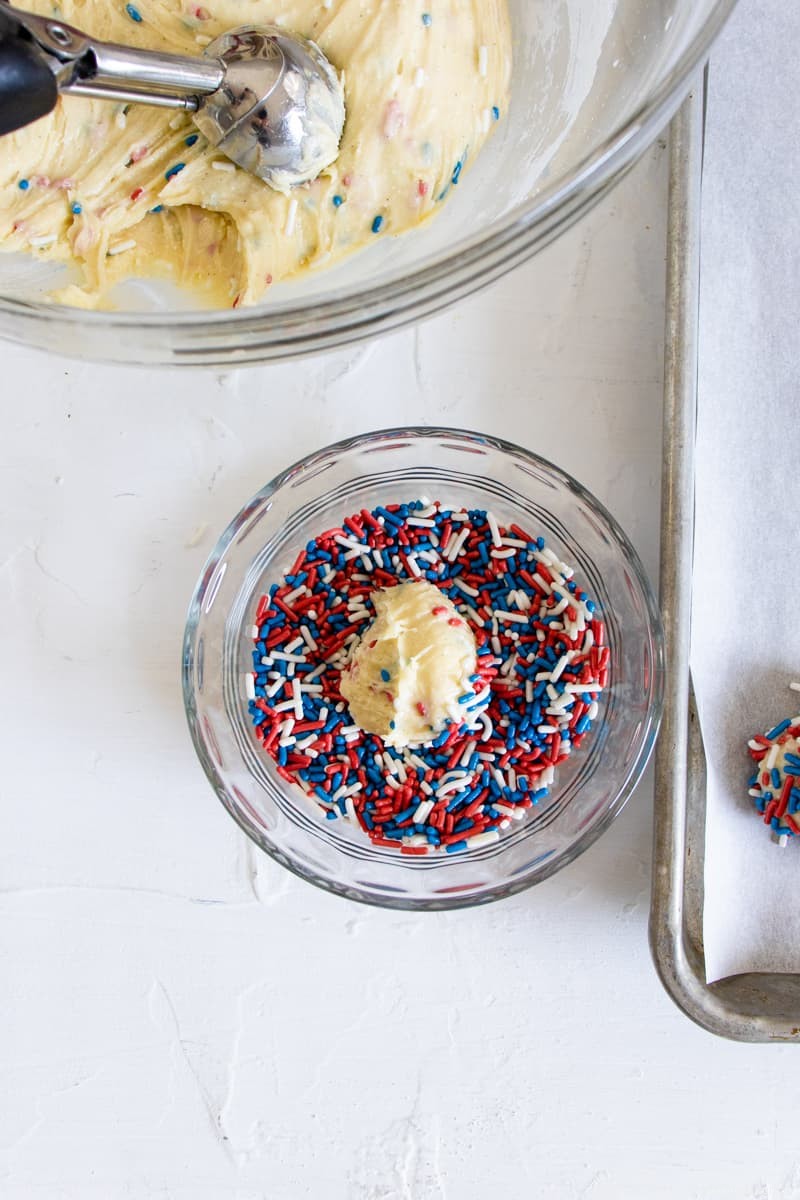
(593, 83)
(463, 470)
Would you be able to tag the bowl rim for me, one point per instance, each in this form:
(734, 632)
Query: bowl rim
(650, 725)
(284, 330)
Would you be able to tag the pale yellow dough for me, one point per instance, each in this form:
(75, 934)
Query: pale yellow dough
(411, 666)
(421, 100)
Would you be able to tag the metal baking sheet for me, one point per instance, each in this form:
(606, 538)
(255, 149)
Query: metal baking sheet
(757, 1006)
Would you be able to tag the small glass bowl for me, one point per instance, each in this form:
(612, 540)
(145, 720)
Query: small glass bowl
(462, 470)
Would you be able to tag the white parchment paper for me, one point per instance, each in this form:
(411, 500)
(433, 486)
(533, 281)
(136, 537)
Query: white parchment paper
(746, 615)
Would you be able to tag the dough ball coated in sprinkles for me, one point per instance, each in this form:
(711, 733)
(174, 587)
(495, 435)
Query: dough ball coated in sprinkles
(775, 784)
(541, 665)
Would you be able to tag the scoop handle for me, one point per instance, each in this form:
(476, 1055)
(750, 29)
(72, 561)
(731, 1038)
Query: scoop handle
(28, 89)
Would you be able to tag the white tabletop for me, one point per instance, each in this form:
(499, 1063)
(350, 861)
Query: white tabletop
(184, 1019)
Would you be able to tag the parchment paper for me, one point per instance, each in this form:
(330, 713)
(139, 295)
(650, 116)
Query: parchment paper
(746, 611)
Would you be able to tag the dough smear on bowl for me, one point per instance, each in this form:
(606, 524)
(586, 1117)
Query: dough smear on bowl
(123, 191)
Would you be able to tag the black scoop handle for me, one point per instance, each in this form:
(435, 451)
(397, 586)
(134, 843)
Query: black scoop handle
(28, 89)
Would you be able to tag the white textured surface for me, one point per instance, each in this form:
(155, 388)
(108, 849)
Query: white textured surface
(748, 429)
(183, 1019)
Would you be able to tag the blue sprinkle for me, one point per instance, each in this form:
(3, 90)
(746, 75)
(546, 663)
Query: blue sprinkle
(455, 846)
(158, 208)
(174, 170)
(427, 19)
(778, 730)
(192, 138)
(385, 676)
(338, 201)
(495, 112)
(457, 169)
(377, 224)
(76, 208)
(776, 777)
(23, 185)
(391, 725)
(133, 13)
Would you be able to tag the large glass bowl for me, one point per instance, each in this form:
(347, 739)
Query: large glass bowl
(593, 83)
(463, 470)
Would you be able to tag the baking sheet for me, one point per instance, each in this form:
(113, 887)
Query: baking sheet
(745, 624)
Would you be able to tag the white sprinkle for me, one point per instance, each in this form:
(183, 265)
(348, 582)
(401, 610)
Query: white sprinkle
(511, 541)
(501, 615)
(483, 839)
(296, 594)
(577, 689)
(457, 784)
(121, 247)
(547, 729)
(223, 164)
(295, 644)
(782, 840)
(419, 78)
(424, 809)
(298, 699)
(503, 553)
(561, 665)
(360, 614)
(499, 778)
(414, 565)
(307, 638)
(291, 217)
(423, 521)
(176, 121)
(754, 791)
(254, 632)
(491, 521)
(455, 547)
(459, 516)
(274, 688)
(483, 61)
(795, 687)
(468, 753)
(392, 782)
(465, 588)
(772, 757)
(592, 710)
(543, 584)
(46, 239)
(250, 686)
(282, 656)
(425, 787)
(504, 808)
(496, 647)
(120, 120)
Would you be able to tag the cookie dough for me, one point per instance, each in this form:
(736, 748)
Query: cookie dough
(775, 785)
(125, 190)
(411, 667)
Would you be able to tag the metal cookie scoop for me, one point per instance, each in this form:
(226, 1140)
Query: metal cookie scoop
(268, 100)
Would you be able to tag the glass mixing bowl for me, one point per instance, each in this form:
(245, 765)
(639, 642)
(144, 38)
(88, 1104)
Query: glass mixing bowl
(460, 469)
(593, 83)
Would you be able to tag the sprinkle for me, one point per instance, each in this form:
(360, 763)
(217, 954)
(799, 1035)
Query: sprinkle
(495, 112)
(427, 19)
(77, 209)
(773, 787)
(377, 224)
(513, 721)
(337, 201)
(133, 13)
(457, 169)
(173, 171)
(223, 164)
(191, 139)
(121, 247)
(158, 208)
(23, 185)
